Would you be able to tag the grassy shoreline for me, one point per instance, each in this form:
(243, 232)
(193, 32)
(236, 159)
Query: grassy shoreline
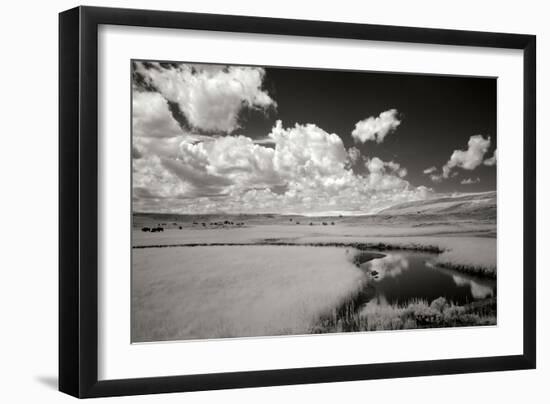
(348, 312)
(355, 313)
(478, 270)
(357, 245)
(417, 314)
(481, 271)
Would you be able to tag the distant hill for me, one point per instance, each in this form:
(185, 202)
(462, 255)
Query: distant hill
(479, 204)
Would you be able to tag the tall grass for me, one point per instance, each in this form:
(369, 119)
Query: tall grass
(416, 314)
(456, 258)
(278, 242)
(223, 292)
(478, 270)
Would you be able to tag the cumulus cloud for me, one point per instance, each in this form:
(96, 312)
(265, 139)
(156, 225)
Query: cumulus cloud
(306, 170)
(237, 159)
(376, 128)
(307, 150)
(155, 131)
(376, 165)
(468, 159)
(210, 97)
(430, 170)
(264, 140)
(468, 181)
(163, 147)
(151, 116)
(491, 161)
(151, 180)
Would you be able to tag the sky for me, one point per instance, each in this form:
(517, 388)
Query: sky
(246, 139)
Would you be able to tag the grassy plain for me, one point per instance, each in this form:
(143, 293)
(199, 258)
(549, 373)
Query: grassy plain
(223, 291)
(250, 275)
(469, 246)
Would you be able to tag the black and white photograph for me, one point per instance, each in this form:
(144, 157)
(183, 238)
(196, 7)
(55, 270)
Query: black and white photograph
(276, 202)
(271, 201)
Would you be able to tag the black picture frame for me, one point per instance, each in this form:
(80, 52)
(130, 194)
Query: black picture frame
(78, 201)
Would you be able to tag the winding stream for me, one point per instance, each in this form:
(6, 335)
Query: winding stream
(403, 276)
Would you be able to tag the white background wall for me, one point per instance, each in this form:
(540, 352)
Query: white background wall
(28, 199)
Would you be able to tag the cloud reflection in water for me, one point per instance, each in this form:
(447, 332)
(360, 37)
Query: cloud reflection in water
(391, 265)
(478, 291)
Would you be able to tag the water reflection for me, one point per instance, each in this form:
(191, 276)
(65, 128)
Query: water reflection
(391, 265)
(480, 289)
(399, 278)
(477, 290)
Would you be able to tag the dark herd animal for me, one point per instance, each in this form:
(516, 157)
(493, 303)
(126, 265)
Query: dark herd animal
(160, 227)
(153, 229)
(224, 223)
(204, 224)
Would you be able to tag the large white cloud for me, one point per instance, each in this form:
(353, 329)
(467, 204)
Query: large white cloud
(151, 116)
(468, 159)
(237, 159)
(307, 150)
(151, 180)
(306, 171)
(376, 128)
(154, 128)
(211, 97)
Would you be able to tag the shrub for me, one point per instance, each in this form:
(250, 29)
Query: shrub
(416, 314)
(439, 304)
(422, 313)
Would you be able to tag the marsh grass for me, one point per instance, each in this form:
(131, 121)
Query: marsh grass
(448, 258)
(416, 314)
(469, 256)
(279, 242)
(225, 292)
(478, 270)
(219, 290)
(364, 256)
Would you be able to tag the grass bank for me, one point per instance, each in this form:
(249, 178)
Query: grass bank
(225, 292)
(417, 314)
(276, 242)
(456, 259)
(477, 270)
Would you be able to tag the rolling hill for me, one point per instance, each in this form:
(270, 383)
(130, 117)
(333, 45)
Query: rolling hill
(478, 204)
